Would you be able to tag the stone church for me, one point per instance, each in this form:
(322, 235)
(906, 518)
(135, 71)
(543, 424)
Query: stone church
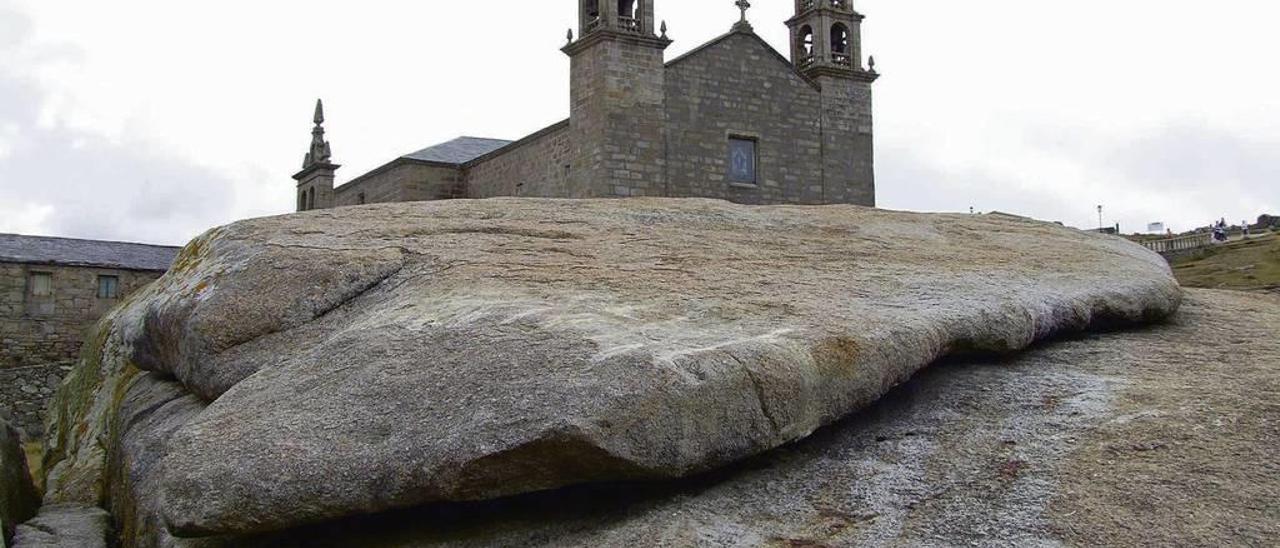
(732, 119)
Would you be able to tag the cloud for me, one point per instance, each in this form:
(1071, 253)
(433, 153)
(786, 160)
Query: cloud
(15, 28)
(159, 131)
(69, 182)
(86, 186)
(1191, 157)
(1184, 174)
(907, 179)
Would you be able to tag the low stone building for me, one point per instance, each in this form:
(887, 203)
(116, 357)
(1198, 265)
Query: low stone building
(732, 119)
(51, 291)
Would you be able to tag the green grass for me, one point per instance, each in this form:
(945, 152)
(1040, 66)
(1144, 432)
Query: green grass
(1248, 264)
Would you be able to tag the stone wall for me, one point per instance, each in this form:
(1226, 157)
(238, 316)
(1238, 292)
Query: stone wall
(848, 152)
(617, 93)
(40, 330)
(402, 181)
(315, 190)
(739, 87)
(535, 166)
(25, 394)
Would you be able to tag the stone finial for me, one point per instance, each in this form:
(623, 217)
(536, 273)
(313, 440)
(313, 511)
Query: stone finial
(871, 62)
(743, 5)
(570, 36)
(320, 152)
(664, 29)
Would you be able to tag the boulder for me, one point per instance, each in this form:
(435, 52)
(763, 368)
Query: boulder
(18, 497)
(344, 362)
(66, 526)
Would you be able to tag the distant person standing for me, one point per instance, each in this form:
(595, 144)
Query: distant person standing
(1244, 227)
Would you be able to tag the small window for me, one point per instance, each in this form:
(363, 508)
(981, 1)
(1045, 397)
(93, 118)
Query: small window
(361, 199)
(108, 287)
(742, 160)
(41, 284)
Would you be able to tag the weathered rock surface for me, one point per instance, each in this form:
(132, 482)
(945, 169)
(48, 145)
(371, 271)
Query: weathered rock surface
(66, 526)
(1155, 437)
(353, 361)
(1115, 439)
(18, 497)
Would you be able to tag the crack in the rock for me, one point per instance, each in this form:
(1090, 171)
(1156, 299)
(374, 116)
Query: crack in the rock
(500, 231)
(756, 385)
(399, 248)
(212, 395)
(321, 313)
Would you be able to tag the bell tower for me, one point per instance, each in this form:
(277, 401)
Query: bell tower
(617, 100)
(826, 39)
(315, 181)
(826, 46)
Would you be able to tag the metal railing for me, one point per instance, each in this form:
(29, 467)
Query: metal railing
(1181, 243)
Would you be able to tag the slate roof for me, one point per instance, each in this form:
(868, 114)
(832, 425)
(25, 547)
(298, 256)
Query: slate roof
(458, 151)
(15, 248)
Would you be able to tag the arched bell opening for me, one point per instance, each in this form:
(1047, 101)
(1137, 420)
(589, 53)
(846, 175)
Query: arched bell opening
(804, 46)
(630, 15)
(840, 54)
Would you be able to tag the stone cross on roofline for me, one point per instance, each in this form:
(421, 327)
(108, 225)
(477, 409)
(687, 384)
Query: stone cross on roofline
(743, 24)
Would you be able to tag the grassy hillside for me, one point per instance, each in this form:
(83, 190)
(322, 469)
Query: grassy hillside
(1248, 264)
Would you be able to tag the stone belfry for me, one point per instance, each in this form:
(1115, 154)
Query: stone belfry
(617, 94)
(315, 181)
(826, 46)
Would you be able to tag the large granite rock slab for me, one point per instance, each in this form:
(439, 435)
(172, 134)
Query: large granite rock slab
(18, 497)
(1112, 439)
(359, 360)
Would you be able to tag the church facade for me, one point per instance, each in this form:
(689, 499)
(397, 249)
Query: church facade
(732, 119)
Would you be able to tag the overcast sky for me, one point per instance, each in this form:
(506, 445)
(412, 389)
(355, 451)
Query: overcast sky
(153, 120)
